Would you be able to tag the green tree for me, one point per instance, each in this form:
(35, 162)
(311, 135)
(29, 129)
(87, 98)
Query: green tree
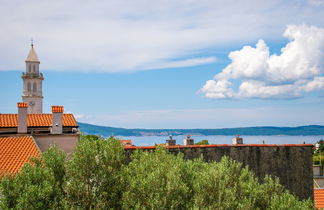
(202, 142)
(272, 195)
(93, 174)
(160, 180)
(225, 185)
(321, 145)
(155, 180)
(90, 137)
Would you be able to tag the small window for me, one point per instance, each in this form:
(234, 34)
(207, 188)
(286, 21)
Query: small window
(29, 68)
(29, 86)
(34, 69)
(34, 87)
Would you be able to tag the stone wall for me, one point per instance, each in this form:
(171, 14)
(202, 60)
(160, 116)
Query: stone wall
(291, 163)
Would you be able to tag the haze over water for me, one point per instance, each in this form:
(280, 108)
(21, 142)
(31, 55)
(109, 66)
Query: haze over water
(218, 139)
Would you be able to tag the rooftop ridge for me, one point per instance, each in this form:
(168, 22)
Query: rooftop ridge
(36, 120)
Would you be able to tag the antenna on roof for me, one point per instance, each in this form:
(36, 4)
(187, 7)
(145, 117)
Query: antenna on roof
(32, 42)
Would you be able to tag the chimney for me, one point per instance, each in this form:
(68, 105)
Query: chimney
(170, 141)
(188, 141)
(237, 140)
(57, 127)
(22, 117)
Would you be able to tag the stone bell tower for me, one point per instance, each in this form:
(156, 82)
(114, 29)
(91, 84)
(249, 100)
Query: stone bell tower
(32, 83)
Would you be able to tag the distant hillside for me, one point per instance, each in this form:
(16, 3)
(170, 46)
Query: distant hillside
(268, 130)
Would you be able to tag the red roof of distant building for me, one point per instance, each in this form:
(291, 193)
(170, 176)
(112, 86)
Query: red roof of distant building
(224, 145)
(36, 120)
(126, 142)
(319, 198)
(15, 152)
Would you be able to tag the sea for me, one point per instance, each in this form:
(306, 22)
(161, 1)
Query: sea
(218, 139)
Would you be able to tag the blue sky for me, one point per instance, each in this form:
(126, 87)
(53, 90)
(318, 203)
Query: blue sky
(136, 65)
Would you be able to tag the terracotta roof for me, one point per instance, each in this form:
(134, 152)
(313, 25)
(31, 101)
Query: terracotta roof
(319, 198)
(32, 56)
(15, 152)
(57, 109)
(35, 120)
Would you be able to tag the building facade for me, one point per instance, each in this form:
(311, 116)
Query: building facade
(56, 128)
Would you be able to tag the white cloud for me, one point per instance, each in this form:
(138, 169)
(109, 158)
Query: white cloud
(298, 69)
(218, 89)
(317, 2)
(184, 63)
(316, 84)
(133, 35)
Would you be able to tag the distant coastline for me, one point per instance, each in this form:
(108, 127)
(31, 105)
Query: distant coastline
(253, 131)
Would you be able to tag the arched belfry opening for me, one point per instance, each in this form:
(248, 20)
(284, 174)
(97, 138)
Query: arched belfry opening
(34, 87)
(28, 86)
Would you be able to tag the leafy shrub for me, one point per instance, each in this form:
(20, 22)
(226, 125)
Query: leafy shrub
(154, 180)
(93, 174)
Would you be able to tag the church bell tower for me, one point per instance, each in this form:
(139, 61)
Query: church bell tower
(32, 83)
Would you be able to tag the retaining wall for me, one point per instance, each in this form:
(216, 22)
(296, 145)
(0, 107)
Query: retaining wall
(291, 163)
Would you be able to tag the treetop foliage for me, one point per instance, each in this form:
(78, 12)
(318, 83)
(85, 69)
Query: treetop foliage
(202, 142)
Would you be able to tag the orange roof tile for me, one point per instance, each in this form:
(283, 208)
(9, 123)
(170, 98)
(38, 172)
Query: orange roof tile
(15, 152)
(35, 120)
(319, 198)
(56, 109)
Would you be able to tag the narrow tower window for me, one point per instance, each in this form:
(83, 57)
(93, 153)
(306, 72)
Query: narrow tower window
(34, 87)
(29, 86)
(29, 68)
(34, 70)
